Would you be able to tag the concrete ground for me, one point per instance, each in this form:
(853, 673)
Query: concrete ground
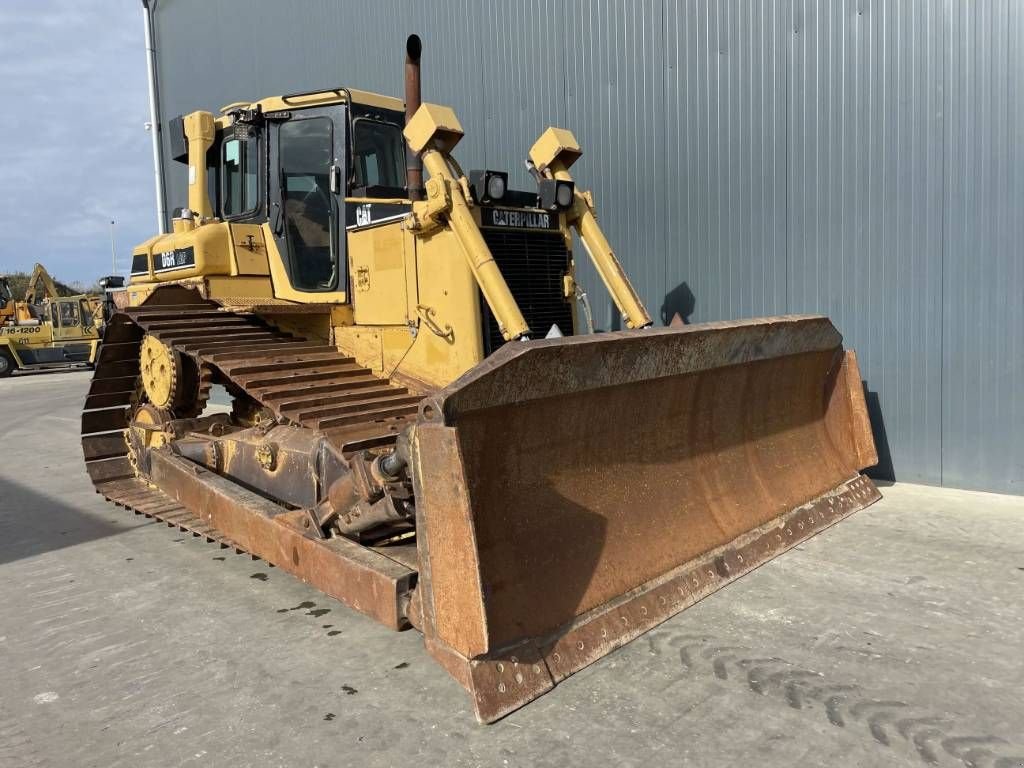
(894, 638)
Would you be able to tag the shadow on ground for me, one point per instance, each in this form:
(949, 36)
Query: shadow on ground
(32, 523)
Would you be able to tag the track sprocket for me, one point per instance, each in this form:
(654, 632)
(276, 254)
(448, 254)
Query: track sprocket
(170, 379)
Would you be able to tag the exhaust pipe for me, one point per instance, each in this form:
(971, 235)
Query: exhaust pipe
(413, 163)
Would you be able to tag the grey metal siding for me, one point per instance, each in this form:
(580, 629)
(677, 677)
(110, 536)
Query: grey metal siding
(865, 204)
(983, 258)
(859, 158)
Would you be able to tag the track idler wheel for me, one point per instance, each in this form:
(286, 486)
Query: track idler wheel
(150, 428)
(169, 378)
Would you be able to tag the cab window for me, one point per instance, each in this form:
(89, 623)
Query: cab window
(239, 181)
(306, 158)
(68, 312)
(378, 156)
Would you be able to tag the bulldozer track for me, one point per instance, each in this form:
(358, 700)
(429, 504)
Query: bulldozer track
(301, 381)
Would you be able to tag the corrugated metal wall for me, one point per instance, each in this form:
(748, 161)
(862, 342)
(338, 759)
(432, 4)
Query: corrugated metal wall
(862, 159)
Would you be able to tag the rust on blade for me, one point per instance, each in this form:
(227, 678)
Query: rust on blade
(450, 584)
(518, 373)
(585, 472)
(846, 416)
(508, 679)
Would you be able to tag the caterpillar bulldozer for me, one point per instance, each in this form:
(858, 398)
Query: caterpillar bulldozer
(421, 427)
(46, 330)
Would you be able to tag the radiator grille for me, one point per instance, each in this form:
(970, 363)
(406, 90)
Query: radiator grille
(534, 265)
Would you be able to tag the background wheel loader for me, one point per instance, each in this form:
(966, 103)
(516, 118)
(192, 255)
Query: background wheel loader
(46, 330)
(402, 435)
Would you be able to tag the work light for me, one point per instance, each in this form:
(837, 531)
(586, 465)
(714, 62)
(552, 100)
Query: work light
(488, 186)
(555, 194)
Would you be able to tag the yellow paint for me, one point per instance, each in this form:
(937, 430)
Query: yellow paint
(555, 145)
(607, 263)
(447, 286)
(414, 353)
(554, 152)
(35, 335)
(316, 327)
(157, 369)
(138, 294)
(412, 307)
(342, 315)
(199, 131)
(40, 278)
(478, 255)
(239, 288)
(377, 263)
(32, 335)
(144, 249)
(6, 345)
(320, 99)
(362, 343)
(379, 200)
(434, 127)
(180, 225)
(249, 250)
(283, 286)
(210, 242)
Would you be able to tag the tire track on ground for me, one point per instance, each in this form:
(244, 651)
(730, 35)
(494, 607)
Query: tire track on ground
(889, 722)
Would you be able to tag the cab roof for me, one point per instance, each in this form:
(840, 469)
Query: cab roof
(316, 98)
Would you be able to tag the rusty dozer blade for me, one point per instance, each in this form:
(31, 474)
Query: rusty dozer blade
(573, 493)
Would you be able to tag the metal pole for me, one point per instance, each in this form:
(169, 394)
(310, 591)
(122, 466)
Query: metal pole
(154, 116)
(113, 250)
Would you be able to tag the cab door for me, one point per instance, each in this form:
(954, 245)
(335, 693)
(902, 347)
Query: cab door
(381, 254)
(66, 316)
(307, 182)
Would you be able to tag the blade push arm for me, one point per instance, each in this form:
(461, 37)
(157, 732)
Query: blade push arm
(433, 132)
(552, 155)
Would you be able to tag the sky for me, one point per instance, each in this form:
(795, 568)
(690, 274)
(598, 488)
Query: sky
(76, 154)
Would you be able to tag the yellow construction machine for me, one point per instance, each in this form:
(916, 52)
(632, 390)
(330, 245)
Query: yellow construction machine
(421, 428)
(8, 306)
(46, 330)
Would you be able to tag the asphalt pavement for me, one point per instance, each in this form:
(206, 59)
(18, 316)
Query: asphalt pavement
(895, 638)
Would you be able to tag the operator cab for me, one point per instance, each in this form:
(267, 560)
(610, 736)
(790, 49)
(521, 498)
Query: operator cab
(69, 316)
(331, 155)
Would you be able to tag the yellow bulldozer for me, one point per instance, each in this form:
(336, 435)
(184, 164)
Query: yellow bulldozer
(46, 330)
(421, 427)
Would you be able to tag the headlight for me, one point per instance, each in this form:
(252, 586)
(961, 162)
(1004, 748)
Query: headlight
(488, 186)
(564, 194)
(555, 195)
(496, 187)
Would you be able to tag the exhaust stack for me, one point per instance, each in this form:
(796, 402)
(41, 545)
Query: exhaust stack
(413, 163)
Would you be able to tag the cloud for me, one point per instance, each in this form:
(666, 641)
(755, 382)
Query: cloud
(75, 155)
